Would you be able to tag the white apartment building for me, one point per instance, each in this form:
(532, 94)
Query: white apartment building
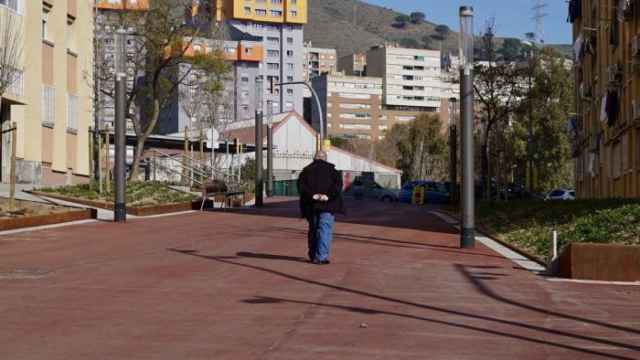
(412, 78)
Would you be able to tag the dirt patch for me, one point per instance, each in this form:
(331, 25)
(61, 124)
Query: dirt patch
(28, 209)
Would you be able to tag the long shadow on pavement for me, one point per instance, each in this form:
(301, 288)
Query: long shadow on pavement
(463, 314)
(475, 277)
(378, 241)
(359, 212)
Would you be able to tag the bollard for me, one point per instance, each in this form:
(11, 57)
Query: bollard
(555, 245)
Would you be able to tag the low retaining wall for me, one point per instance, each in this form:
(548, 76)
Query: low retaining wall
(603, 262)
(135, 211)
(41, 220)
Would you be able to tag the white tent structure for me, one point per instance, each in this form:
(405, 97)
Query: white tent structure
(295, 143)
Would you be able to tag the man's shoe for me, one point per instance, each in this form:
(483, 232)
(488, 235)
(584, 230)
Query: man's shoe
(321, 262)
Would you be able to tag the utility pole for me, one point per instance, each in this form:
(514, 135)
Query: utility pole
(120, 208)
(259, 138)
(467, 239)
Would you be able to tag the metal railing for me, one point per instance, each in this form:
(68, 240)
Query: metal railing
(197, 171)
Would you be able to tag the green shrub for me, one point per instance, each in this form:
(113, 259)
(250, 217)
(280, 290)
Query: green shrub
(529, 224)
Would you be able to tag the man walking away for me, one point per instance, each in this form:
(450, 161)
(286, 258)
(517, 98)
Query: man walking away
(320, 186)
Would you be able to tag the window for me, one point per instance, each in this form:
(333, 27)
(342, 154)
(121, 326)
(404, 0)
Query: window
(273, 39)
(290, 53)
(290, 92)
(273, 53)
(48, 105)
(261, 12)
(273, 66)
(11, 4)
(294, 13)
(290, 66)
(289, 40)
(72, 112)
(276, 13)
(247, 10)
(45, 23)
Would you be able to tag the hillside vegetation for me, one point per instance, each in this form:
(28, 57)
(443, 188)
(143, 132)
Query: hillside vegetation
(352, 25)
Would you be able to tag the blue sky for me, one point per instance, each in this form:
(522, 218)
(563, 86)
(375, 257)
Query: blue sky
(513, 17)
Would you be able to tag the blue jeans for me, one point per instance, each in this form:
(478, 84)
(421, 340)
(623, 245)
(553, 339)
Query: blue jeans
(320, 235)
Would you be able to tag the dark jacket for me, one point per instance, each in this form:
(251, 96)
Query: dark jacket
(320, 177)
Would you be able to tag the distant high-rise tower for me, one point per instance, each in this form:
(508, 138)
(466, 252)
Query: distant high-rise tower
(279, 24)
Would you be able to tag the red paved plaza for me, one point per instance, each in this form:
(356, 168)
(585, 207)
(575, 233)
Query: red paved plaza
(236, 285)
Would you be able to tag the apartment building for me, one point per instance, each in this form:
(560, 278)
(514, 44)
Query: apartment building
(192, 107)
(279, 25)
(107, 20)
(412, 78)
(607, 126)
(319, 61)
(51, 99)
(354, 108)
(354, 64)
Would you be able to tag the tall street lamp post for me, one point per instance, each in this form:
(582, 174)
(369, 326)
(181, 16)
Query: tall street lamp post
(453, 148)
(467, 239)
(120, 166)
(259, 145)
(269, 149)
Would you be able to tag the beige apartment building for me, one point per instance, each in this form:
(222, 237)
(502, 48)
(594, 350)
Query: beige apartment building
(354, 64)
(353, 107)
(51, 101)
(318, 61)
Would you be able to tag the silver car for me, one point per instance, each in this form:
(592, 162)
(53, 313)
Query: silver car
(561, 194)
(372, 190)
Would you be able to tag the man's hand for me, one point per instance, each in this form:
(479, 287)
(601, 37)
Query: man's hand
(321, 197)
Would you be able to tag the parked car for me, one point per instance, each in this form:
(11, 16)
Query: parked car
(561, 194)
(435, 192)
(371, 190)
(513, 192)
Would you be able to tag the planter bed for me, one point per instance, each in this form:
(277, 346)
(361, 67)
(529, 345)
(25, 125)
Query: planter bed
(602, 262)
(132, 210)
(50, 219)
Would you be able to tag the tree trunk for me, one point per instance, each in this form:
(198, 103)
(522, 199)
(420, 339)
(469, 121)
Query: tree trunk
(142, 139)
(484, 169)
(135, 167)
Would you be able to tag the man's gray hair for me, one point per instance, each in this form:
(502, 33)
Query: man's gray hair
(321, 155)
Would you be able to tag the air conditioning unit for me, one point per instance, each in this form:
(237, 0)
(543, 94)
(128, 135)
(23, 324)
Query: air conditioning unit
(635, 46)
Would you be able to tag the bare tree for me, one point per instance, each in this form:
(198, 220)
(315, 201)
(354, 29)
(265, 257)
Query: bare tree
(11, 69)
(161, 56)
(11, 51)
(497, 88)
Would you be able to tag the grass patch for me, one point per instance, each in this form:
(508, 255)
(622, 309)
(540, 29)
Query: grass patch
(528, 224)
(139, 194)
